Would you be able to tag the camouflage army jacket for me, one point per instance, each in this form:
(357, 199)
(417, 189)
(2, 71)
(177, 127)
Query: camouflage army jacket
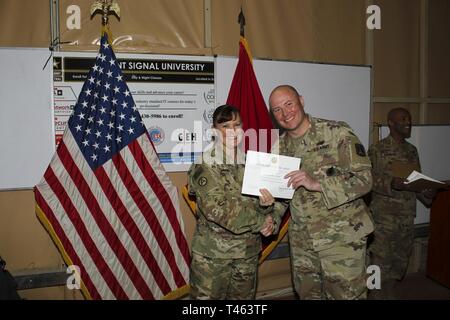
(385, 200)
(228, 223)
(331, 153)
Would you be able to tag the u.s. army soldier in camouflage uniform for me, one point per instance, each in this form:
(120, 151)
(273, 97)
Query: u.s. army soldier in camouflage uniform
(227, 238)
(330, 221)
(393, 205)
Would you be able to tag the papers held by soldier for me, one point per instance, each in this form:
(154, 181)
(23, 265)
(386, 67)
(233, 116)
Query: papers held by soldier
(266, 170)
(419, 182)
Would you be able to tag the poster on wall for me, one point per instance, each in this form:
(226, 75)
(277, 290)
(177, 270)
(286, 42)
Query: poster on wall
(174, 95)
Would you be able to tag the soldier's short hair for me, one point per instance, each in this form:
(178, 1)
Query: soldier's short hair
(288, 87)
(225, 113)
(394, 111)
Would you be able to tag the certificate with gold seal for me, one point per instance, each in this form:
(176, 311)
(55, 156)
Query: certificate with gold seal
(266, 170)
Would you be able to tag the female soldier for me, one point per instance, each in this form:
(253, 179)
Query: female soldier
(226, 241)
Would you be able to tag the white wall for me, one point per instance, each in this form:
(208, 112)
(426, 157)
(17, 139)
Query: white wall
(26, 116)
(336, 92)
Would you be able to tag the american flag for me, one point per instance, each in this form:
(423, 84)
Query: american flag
(106, 199)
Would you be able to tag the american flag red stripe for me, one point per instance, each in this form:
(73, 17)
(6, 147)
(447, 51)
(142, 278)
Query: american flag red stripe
(132, 228)
(74, 206)
(103, 180)
(148, 213)
(82, 234)
(107, 199)
(161, 193)
(162, 281)
(146, 201)
(69, 248)
(164, 197)
(98, 213)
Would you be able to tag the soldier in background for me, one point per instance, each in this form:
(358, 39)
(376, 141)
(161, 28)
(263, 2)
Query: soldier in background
(329, 219)
(227, 237)
(393, 204)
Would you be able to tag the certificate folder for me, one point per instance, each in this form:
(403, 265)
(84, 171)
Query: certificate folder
(402, 169)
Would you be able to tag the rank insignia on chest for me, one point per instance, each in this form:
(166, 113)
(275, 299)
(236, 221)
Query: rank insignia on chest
(202, 181)
(319, 147)
(331, 171)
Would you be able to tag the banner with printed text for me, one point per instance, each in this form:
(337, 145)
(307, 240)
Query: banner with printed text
(174, 95)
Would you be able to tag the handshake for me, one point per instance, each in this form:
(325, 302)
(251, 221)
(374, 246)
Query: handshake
(265, 200)
(268, 226)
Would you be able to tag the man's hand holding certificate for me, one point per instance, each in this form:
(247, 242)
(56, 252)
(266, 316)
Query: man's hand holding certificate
(266, 170)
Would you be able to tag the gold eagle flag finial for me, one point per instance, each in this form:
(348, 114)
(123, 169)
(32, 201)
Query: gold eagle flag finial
(106, 8)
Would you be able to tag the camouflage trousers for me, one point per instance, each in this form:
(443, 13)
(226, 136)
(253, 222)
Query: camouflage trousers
(390, 250)
(223, 279)
(336, 273)
(392, 246)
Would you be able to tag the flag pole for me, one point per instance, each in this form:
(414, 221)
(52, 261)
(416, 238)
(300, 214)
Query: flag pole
(241, 20)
